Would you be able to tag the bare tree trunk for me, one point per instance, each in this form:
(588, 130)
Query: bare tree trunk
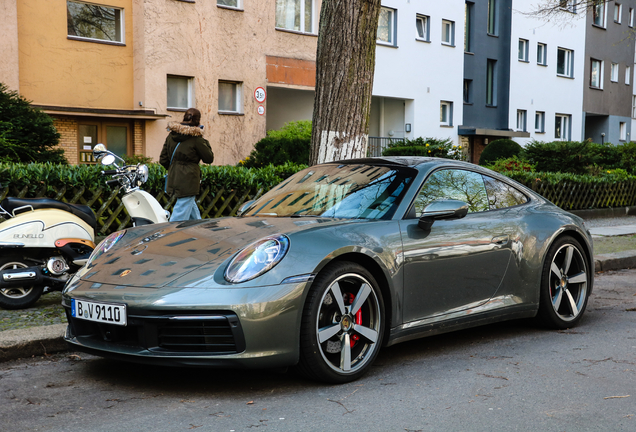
(345, 64)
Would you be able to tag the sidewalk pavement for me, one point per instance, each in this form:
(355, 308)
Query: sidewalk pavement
(47, 339)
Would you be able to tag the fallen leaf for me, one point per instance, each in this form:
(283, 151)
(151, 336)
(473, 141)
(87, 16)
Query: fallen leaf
(250, 403)
(616, 397)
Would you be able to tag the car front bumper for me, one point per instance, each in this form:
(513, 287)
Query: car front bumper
(219, 327)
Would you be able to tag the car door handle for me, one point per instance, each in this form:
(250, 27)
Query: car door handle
(500, 240)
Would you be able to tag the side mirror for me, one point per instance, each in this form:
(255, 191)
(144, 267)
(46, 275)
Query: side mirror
(447, 209)
(244, 207)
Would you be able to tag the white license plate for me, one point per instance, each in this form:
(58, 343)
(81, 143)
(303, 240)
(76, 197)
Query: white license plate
(106, 313)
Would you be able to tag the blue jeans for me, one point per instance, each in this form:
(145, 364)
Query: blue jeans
(185, 209)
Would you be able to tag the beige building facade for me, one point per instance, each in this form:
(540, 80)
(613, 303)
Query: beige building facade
(118, 71)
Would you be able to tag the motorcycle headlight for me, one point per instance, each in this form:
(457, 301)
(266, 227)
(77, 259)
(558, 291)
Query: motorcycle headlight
(142, 173)
(105, 246)
(257, 258)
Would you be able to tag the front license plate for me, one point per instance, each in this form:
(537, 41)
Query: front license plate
(106, 313)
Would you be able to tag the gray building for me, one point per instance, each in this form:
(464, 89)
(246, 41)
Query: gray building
(609, 59)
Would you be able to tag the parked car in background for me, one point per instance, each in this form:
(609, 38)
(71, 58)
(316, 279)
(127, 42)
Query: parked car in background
(329, 266)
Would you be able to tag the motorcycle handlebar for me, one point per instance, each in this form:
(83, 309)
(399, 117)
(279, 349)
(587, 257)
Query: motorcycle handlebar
(110, 172)
(112, 182)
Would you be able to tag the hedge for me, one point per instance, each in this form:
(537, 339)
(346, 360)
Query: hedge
(223, 188)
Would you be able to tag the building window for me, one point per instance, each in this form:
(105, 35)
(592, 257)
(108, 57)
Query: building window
(296, 15)
(96, 22)
(180, 92)
(523, 50)
(492, 17)
(596, 74)
(628, 75)
(230, 97)
(468, 91)
(622, 131)
(598, 13)
(562, 127)
(568, 5)
(539, 122)
(386, 26)
(491, 79)
(565, 58)
(542, 54)
(421, 26)
(631, 17)
(614, 72)
(634, 106)
(468, 26)
(446, 113)
(448, 32)
(230, 3)
(618, 11)
(522, 120)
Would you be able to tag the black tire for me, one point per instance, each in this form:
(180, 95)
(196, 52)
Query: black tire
(17, 297)
(351, 332)
(564, 285)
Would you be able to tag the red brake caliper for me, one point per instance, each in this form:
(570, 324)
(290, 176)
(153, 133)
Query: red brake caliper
(355, 338)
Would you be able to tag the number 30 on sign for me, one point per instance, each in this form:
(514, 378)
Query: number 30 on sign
(260, 95)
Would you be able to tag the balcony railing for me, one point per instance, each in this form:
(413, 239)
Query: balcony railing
(378, 144)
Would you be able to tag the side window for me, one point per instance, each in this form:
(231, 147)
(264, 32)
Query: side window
(502, 195)
(455, 184)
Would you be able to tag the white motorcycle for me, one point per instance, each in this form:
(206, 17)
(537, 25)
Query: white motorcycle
(142, 207)
(42, 243)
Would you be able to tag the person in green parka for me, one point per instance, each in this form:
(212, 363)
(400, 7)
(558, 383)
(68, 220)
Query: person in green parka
(184, 148)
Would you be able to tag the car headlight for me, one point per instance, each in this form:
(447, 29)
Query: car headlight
(257, 258)
(105, 246)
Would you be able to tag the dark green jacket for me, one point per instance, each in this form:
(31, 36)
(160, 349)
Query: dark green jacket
(184, 174)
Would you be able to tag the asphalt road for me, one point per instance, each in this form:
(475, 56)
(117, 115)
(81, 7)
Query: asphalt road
(505, 377)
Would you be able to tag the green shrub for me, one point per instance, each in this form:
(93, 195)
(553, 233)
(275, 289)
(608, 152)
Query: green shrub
(511, 164)
(433, 147)
(289, 144)
(499, 149)
(559, 156)
(27, 134)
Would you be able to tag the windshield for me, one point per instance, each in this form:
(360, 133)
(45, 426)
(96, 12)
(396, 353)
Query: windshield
(338, 191)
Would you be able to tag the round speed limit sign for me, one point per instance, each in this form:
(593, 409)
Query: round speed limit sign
(260, 95)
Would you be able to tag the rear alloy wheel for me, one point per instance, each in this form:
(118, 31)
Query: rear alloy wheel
(342, 326)
(564, 285)
(17, 297)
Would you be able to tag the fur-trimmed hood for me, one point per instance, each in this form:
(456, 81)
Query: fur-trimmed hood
(182, 129)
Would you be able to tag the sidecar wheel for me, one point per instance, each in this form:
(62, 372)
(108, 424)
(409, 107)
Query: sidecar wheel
(17, 297)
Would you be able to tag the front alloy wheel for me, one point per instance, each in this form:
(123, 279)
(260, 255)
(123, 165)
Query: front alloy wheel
(342, 324)
(17, 297)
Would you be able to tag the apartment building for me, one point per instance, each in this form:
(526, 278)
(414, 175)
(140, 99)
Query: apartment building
(609, 72)
(118, 71)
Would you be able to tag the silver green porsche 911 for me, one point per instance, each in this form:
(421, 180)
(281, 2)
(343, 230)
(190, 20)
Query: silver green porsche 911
(329, 266)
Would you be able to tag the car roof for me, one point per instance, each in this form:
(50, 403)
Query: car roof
(405, 161)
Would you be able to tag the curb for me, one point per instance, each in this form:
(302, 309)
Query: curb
(33, 341)
(37, 341)
(615, 261)
(605, 212)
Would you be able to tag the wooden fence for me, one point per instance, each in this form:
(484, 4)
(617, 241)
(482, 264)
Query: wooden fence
(111, 213)
(578, 196)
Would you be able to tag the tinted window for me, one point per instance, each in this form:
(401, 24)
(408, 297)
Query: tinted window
(338, 191)
(502, 195)
(460, 185)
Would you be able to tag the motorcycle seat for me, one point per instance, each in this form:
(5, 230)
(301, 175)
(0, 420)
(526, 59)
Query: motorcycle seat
(83, 212)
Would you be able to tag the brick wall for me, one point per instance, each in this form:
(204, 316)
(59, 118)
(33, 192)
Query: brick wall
(138, 138)
(67, 128)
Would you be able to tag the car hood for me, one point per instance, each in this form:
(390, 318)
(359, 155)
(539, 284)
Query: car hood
(158, 255)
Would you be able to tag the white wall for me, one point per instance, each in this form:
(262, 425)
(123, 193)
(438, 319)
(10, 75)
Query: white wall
(423, 73)
(538, 88)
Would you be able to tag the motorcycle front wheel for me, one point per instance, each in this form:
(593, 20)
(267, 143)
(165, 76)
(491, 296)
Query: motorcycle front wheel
(17, 297)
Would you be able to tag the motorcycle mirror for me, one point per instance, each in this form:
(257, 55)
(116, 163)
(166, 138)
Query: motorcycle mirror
(99, 148)
(109, 159)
